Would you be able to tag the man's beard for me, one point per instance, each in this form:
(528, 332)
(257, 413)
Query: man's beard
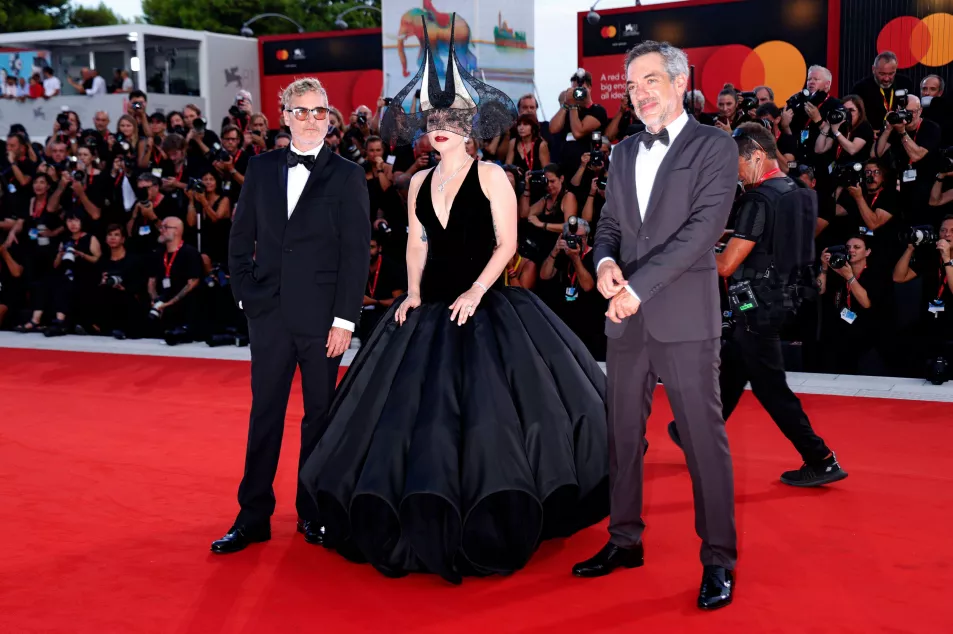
(663, 114)
(885, 84)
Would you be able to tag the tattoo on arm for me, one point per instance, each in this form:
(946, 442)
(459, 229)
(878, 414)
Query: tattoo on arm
(423, 234)
(496, 233)
(185, 290)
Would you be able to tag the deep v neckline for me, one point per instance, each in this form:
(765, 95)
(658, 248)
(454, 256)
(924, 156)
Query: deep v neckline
(455, 196)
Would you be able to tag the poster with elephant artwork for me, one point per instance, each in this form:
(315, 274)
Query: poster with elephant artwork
(494, 39)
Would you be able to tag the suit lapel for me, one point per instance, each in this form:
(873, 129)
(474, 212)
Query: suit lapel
(657, 187)
(281, 177)
(317, 174)
(630, 168)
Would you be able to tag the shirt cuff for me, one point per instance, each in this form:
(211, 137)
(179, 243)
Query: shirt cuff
(343, 323)
(629, 288)
(240, 306)
(598, 264)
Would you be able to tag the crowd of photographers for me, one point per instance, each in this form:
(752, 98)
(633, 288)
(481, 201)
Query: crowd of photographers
(123, 230)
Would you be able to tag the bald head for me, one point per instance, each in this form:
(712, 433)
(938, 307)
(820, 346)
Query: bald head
(171, 230)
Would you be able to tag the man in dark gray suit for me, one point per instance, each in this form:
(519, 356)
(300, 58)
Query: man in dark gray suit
(668, 197)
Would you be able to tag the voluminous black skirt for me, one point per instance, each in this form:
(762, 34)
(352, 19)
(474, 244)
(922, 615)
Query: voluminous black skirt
(457, 450)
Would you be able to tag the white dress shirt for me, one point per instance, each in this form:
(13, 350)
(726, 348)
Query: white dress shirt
(51, 85)
(297, 179)
(647, 164)
(98, 87)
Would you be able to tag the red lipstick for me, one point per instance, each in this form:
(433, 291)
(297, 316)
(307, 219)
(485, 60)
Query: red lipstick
(441, 139)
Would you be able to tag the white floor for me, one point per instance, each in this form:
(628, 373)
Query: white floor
(802, 383)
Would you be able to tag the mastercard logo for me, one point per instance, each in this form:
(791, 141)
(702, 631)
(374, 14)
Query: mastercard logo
(608, 32)
(776, 64)
(281, 55)
(927, 41)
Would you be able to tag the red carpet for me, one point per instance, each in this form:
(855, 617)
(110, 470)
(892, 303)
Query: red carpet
(116, 472)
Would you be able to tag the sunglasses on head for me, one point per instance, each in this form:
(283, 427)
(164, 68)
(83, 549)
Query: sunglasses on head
(741, 135)
(301, 114)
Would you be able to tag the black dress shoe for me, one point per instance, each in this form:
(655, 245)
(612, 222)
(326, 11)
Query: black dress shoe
(312, 531)
(239, 537)
(673, 434)
(718, 584)
(610, 558)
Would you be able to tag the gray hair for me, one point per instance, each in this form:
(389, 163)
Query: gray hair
(676, 61)
(826, 72)
(697, 97)
(887, 56)
(936, 77)
(768, 88)
(301, 87)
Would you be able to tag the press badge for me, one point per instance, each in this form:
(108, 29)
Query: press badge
(157, 172)
(34, 234)
(572, 294)
(805, 134)
(848, 315)
(166, 282)
(864, 230)
(936, 307)
(909, 175)
(12, 188)
(227, 186)
(145, 230)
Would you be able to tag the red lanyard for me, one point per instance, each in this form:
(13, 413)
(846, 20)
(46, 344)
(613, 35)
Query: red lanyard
(528, 155)
(572, 276)
(840, 148)
(178, 176)
(856, 279)
(776, 170)
(169, 261)
(874, 201)
(941, 275)
(42, 209)
(235, 158)
(373, 287)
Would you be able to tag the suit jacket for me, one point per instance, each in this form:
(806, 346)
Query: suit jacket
(313, 265)
(669, 259)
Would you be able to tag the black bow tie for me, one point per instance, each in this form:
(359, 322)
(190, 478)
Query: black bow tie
(301, 159)
(649, 139)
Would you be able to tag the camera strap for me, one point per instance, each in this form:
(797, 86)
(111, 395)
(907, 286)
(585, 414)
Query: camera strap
(372, 287)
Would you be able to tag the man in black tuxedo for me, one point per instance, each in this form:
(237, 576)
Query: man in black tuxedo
(668, 197)
(298, 263)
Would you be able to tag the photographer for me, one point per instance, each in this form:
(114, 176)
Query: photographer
(568, 286)
(151, 207)
(231, 171)
(624, 124)
(82, 189)
(12, 277)
(256, 136)
(177, 171)
(912, 144)
(877, 90)
(137, 109)
(528, 151)
(173, 280)
(423, 157)
(553, 210)
(198, 137)
(729, 116)
(211, 213)
(16, 175)
(593, 172)
(577, 119)
(766, 262)
(360, 121)
(386, 281)
(128, 144)
(849, 132)
(867, 208)
(118, 312)
(809, 112)
(239, 113)
(854, 314)
(69, 292)
(772, 118)
(158, 125)
(935, 270)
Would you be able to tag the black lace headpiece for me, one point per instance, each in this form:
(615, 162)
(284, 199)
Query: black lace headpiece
(466, 105)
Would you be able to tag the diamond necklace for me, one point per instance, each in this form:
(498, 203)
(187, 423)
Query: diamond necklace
(440, 186)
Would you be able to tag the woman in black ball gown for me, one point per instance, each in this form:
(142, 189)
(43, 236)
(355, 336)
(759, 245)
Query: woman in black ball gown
(472, 423)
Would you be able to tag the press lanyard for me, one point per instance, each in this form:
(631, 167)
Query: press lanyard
(169, 261)
(941, 275)
(528, 155)
(572, 276)
(856, 279)
(506, 278)
(776, 170)
(373, 287)
(840, 148)
(887, 106)
(874, 201)
(35, 205)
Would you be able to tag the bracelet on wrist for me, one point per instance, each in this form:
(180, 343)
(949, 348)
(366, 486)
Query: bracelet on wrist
(480, 285)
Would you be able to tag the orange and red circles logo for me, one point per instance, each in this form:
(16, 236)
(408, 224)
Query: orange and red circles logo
(608, 32)
(777, 64)
(282, 55)
(918, 41)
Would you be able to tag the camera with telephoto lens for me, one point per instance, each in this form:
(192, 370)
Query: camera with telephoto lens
(62, 120)
(384, 227)
(597, 158)
(899, 116)
(938, 370)
(196, 186)
(529, 249)
(749, 101)
(137, 105)
(837, 115)
(91, 138)
(537, 177)
(216, 277)
(142, 194)
(69, 252)
(154, 311)
(804, 97)
(601, 182)
(849, 175)
(235, 111)
(840, 256)
(569, 234)
(361, 119)
(218, 153)
(113, 281)
(199, 125)
(78, 176)
(920, 235)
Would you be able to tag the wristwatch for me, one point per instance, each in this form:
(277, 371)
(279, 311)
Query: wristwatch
(950, 263)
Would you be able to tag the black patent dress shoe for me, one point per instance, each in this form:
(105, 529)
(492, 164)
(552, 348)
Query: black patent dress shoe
(312, 531)
(673, 434)
(718, 585)
(239, 537)
(610, 558)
